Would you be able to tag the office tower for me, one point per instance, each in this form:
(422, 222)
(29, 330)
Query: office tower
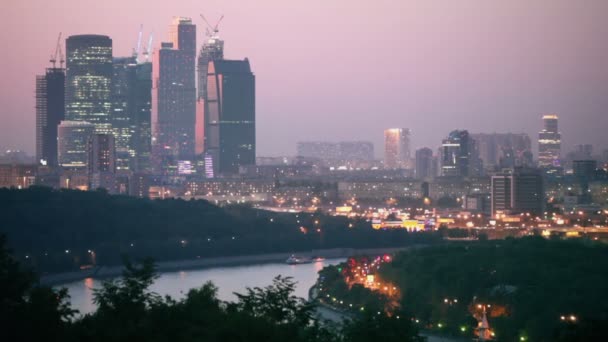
(88, 80)
(397, 148)
(504, 150)
(141, 97)
(72, 143)
(519, 190)
(502, 194)
(230, 123)
(131, 106)
(549, 143)
(50, 110)
(424, 163)
(460, 157)
(122, 105)
(102, 153)
(175, 93)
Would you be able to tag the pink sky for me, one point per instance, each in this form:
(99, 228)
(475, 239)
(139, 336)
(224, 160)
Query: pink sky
(347, 69)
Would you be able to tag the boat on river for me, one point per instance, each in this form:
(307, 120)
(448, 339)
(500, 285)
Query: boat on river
(295, 260)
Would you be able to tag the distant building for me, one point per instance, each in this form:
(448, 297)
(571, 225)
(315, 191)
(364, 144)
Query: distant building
(72, 141)
(459, 154)
(50, 111)
(230, 123)
(88, 80)
(424, 163)
(518, 191)
(397, 148)
(17, 176)
(549, 143)
(318, 149)
(337, 153)
(504, 150)
(175, 93)
(584, 169)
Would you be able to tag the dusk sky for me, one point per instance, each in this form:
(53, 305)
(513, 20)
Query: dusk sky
(347, 69)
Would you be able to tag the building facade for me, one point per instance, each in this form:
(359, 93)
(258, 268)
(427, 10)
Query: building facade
(88, 80)
(50, 111)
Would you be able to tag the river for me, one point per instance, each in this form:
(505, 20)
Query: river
(228, 280)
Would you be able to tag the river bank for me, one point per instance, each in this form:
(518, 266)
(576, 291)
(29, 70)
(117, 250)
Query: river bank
(104, 272)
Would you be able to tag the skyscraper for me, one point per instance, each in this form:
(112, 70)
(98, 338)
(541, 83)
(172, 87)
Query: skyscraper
(50, 110)
(460, 157)
(88, 80)
(397, 148)
(175, 92)
(72, 141)
(424, 163)
(131, 106)
(549, 143)
(230, 122)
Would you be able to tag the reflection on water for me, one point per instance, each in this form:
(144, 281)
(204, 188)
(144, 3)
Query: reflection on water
(228, 279)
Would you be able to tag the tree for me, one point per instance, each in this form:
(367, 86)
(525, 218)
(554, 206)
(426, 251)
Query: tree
(29, 311)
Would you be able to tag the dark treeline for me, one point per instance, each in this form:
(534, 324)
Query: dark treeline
(128, 311)
(58, 230)
(533, 289)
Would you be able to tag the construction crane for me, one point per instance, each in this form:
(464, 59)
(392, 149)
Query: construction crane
(148, 50)
(138, 48)
(212, 30)
(59, 53)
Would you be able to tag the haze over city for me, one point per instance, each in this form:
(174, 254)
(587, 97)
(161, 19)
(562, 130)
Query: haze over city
(346, 70)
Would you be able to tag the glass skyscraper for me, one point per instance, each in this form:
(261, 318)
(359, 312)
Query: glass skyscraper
(397, 148)
(549, 142)
(230, 122)
(50, 110)
(175, 93)
(460, 157)
(88, 80)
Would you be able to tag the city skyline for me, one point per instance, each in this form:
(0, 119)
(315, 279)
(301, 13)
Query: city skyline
(501, 79)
